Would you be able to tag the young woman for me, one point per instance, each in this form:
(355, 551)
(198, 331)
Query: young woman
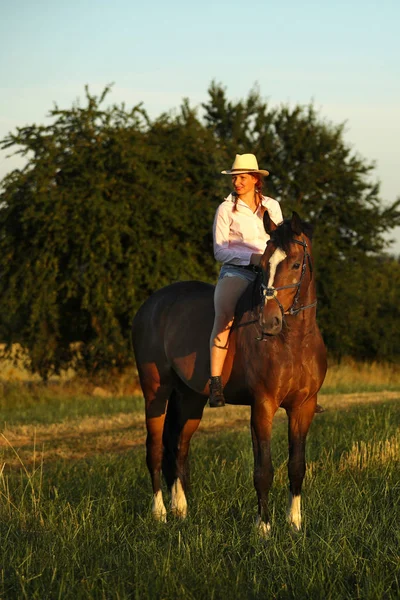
(239, 243)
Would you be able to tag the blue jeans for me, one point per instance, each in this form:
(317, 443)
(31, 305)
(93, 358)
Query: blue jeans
(236, 271)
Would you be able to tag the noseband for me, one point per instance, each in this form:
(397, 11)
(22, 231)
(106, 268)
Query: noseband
(270, 293)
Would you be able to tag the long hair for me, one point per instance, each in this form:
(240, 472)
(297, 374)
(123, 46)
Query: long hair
(258, 190)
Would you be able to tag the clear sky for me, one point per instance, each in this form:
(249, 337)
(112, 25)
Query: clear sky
(343, 56)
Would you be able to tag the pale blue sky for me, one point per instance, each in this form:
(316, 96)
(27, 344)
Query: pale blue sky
(344, 56)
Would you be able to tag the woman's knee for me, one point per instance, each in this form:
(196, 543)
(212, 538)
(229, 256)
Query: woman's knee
(225, 314)
(223, 321)
(224, 309)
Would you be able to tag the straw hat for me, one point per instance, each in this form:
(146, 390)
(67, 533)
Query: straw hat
(245, 163)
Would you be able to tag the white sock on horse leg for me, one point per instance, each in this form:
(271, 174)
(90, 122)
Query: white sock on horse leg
(294, 511)
(178, 500)
(158, 508)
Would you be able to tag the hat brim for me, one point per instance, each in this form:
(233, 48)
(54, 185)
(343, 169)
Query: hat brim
(243, 171)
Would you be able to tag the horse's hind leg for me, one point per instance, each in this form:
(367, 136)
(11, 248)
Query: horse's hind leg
(299, 423)
(185, 410)
(156, 393)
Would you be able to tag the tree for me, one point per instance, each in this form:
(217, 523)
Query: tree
(112, 205)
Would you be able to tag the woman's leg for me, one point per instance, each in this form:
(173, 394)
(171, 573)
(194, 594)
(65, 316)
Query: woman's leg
(226, 296)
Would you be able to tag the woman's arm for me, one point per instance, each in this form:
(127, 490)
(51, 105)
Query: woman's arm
(222, 251)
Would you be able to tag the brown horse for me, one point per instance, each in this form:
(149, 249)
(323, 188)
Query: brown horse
(276, 358)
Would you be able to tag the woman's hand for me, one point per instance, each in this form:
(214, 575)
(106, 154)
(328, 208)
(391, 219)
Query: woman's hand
(255, 259)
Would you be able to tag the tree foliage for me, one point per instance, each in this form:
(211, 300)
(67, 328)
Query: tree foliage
(112, 205)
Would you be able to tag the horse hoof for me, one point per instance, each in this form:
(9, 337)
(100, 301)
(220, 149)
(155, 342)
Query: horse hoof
(295, 529)
(159, 516)
(179, 513)
(319, 409)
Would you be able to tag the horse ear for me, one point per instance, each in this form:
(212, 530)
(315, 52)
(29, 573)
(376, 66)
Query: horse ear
(296, 224)
(269, 225)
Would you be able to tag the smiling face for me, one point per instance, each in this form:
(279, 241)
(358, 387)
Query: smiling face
(244, 183)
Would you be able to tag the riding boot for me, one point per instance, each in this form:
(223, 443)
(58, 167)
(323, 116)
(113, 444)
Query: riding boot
(216, 398)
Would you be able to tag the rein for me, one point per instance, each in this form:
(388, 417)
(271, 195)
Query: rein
(270, 293)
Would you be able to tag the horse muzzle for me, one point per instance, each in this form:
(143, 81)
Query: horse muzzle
(271, 314)
(271, 324)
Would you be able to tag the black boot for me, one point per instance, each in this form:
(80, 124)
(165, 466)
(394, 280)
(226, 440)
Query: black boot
(216, 394)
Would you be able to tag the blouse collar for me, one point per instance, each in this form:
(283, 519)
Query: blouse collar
(232, 198)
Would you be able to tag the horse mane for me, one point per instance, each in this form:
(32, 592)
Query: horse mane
(282, 236)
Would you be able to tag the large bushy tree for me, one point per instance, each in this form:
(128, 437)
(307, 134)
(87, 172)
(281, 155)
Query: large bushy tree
(112, 205)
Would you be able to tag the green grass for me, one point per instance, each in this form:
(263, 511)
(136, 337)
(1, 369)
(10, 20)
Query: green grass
(82, 529)
(23, 406)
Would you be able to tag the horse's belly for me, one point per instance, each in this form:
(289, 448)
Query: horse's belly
(187, 340)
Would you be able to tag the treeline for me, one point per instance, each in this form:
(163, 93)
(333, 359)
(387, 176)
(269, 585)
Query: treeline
(112, 205)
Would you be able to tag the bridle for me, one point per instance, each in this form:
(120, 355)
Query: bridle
(270, 293)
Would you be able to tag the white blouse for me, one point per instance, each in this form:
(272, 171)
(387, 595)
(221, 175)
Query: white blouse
(240, 233)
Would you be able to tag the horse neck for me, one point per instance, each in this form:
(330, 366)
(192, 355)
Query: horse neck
(307, 297)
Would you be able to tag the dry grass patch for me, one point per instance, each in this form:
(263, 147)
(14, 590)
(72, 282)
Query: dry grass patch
(350, 373)
(334, 401)
(72, 440)
(364, 455)
(13, 368)
(13, 371)
(77, 439)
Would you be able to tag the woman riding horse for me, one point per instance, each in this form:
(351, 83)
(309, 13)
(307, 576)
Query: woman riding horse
(239, 243)
(276, 359)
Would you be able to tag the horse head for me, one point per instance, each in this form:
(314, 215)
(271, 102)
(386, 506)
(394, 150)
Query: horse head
(287, 272)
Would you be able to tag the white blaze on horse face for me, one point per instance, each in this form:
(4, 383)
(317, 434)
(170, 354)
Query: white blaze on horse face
(277, 257)
(158, 508)
(294, 512)
(178, 500)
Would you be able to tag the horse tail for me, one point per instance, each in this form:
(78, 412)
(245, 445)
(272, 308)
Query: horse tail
(184, 413)
(171, 433)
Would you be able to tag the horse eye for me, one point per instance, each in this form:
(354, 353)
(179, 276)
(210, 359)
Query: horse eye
(296, 266)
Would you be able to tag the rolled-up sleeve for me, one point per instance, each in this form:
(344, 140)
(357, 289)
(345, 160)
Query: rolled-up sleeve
(223, 252)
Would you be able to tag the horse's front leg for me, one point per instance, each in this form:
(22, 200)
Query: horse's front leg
(299, 423)
(261, 428)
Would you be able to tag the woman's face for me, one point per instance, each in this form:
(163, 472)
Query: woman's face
(243, 183)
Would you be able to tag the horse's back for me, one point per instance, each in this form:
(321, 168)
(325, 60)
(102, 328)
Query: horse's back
(172, 328)
(178, 295)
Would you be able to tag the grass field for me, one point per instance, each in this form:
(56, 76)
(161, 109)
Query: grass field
(75, 504)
